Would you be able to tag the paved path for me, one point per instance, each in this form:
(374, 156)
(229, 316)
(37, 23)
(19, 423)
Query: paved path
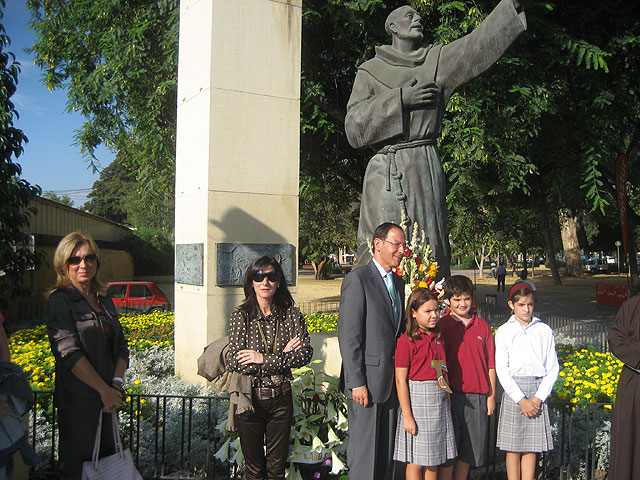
(575, 299)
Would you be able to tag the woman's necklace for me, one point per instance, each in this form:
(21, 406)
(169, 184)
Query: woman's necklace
(264, 338)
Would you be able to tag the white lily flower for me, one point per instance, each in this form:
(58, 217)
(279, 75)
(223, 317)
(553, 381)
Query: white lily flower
(336, 465)
(307, 381)
(342, 423)
(223, 452)
(238, 457)
(331, 412)
(317, 445)
(305, 433)
(332, 438)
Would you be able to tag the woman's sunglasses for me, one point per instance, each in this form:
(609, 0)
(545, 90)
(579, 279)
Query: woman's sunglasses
(259, 276)
(91, 258)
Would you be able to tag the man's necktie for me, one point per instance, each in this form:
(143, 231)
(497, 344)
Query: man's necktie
(395, 299)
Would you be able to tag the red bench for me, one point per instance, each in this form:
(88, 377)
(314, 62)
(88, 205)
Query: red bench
(611, 293)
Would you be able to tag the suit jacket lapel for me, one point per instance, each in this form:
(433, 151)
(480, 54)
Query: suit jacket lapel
(377, 280)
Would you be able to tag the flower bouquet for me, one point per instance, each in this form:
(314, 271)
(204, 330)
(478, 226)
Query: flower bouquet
(418, 268)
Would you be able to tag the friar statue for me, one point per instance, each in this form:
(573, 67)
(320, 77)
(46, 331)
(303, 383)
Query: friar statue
(396, 107)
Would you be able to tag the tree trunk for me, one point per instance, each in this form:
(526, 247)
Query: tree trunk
(570, 243)
(318, 269)
(479, 259)
(551, 255)
(483, 254)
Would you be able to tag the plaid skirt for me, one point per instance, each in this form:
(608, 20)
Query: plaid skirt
(434, 441)
(517, 433)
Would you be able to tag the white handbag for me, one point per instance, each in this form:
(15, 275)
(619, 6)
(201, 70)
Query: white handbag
(117, 466)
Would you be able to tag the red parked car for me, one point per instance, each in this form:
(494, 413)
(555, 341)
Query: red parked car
(132, 297)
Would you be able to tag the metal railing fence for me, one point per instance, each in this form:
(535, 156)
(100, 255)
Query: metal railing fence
(176, 437)
(582, 333)
(170, 436)
(319, 306)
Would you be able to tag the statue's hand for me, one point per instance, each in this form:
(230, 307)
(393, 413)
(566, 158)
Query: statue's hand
(420, 95)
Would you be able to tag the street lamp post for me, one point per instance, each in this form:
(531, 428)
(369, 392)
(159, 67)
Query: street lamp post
(618, 243)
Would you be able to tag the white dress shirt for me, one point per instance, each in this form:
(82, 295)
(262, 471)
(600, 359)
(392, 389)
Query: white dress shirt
(383, 272)
(526, 352)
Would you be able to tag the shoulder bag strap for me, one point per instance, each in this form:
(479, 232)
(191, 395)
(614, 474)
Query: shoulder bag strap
(116, 438)
(116, 434)
(96, 443)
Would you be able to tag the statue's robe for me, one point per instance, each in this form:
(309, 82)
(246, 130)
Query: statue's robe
(406, 174)
(624, 343)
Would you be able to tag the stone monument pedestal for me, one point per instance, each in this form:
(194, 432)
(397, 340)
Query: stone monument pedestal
(237, 158)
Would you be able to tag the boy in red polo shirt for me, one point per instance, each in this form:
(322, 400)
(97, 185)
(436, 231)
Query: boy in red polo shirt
(472, 377)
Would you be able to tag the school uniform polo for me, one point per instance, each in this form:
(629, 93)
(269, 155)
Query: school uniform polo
(417, 355)
(434, 442)
(470, 353)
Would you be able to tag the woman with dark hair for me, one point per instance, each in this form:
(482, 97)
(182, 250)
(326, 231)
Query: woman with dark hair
(267, 337)
(90, 351)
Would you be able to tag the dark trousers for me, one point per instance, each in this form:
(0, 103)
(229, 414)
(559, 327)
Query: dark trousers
(501, 282)
(372, 433)
(270, 425)
(77, 430)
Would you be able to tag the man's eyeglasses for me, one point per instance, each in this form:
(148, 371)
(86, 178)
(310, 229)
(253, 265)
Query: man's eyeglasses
(91, 258)
(259, 276)
(397, 245)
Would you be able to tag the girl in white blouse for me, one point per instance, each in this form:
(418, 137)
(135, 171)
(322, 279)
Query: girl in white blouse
(527, 367)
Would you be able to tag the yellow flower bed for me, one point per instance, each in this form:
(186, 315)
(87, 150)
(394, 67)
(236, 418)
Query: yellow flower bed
(586, 376)
(143, 331)
(31, 350)
(322, 322)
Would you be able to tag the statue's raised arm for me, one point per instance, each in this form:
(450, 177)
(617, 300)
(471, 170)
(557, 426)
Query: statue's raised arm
(469, 56)
(396, 106)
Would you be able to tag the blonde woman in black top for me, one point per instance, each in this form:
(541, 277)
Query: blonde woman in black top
(90, 350)
(268, 337)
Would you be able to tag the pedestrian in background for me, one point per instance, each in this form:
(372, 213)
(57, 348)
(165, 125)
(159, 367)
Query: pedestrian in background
(501, 274)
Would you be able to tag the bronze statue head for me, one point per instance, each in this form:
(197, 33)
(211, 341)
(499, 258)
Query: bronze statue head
(404, 24)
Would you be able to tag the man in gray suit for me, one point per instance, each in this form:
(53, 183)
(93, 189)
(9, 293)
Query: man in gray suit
(371, 310)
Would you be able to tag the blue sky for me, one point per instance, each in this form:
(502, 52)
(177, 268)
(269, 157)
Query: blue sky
(50, 159)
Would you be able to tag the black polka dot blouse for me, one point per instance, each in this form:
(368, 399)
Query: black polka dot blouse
(275, 370)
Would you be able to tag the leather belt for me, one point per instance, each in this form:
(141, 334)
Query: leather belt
(265, 393)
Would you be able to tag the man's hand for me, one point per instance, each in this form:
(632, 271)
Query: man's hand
(361, 396)
(419, 95)
(491, 405)
(529, 408)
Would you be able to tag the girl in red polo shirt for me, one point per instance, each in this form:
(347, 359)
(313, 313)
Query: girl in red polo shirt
(424, 434)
